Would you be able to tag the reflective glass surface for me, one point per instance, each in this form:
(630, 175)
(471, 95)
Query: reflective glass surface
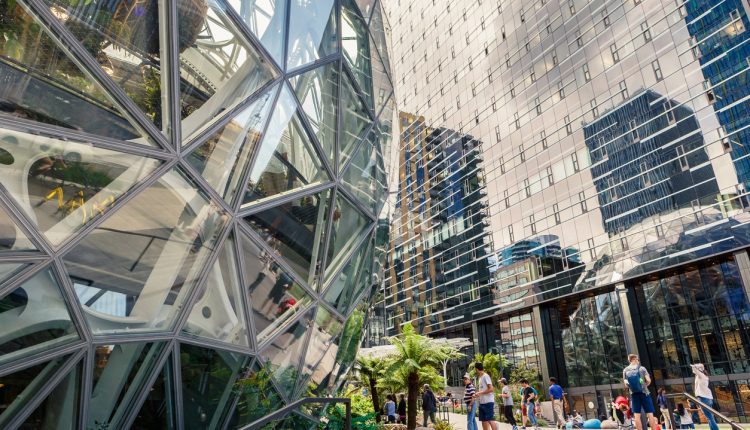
(59, 410)
(286, 158)
(208, 378)
(356, 120)
(325, 332)
(218, 314)
(159, 253)
(158, 409)
(44, 84)
(317, 91)
(12, 238)
(357, 272)
(312, 31)
(120, 372)
(276, 299)
(233, 145)
(218, 67)
(18, 388)
(347, 228)
(256, 394)
(266, 19)
(62, 185)
(285, 352)
(365, 177)
(34, 318)
(293, 230)
(124, 37)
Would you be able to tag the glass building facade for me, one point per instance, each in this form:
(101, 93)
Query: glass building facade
(189, 203)
(614, 153)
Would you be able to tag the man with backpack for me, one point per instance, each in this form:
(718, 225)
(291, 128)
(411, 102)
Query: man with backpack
(637, 379)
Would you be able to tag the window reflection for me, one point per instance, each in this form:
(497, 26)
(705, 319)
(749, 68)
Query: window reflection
(17, 389)
(312, 31)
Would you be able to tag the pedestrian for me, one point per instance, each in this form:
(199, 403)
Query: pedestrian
(637, 379)
(685, 416)
(524, 413)
(507, 403)
(661, 401)
(703, 393)
(401, 409)
(486, 397)
(471, 403)
(556, 396)
(530, 398)
(429, 405)
(390, 409)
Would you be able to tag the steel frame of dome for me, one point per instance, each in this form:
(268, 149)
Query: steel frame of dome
(224, 228)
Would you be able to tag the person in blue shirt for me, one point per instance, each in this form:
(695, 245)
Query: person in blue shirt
(390, 409)
(556, 396)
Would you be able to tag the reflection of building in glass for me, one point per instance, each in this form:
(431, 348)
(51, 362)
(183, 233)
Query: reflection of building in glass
(191, 194)
(647, 158)
(439, 237)
(615, 156)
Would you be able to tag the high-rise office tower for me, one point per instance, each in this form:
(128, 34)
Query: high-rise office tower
(614, 154)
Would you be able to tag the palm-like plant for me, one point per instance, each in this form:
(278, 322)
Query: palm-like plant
(416, 362)
(371, 369)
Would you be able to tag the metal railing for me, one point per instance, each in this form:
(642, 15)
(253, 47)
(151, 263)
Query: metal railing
(283, 412)
(700, 403)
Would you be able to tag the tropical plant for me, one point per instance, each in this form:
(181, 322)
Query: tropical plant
(415, 362)
(444, 425)
(493, 363)
(371, 369)
(523, 371)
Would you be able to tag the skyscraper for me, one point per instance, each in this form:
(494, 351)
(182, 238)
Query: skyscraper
(614, 158)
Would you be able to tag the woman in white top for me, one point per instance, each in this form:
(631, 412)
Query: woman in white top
(685, 415)
(703, 393)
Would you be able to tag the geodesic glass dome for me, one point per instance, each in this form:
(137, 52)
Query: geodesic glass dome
(188, 207)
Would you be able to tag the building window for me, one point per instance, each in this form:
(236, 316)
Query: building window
(586, 73)
(556, 212)
(572, 7)
(510, 234)
(561, 90)
(594, 108)
(646, 32)
(574, 158)
(669, 112)
(623, 90)
(512, 90)
(612, 190)
(527, 187)
(494, 104)
(506, 199)
(502, 165)
(615, 54)
(522, 153)
(681, 158)
(532, 75)
(497, 133)
(579, 39)
(645, 174)
(516, 120)
(582, 200)
(657, 70)
(550, 176)
(634, 131)
(543, 137)
(538, 106)
(532, 224)
(568, 127)
(605, 19)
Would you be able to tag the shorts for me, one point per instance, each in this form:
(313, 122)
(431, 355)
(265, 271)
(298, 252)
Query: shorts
(486, 411)
(641, 403)
(523, 409)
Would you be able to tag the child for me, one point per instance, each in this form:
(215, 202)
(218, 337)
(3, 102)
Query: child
(683, 416)
(621, 414)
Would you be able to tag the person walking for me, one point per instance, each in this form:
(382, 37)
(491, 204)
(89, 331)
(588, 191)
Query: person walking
(507, 403)
(390, 409)
(401, 409)
(703, 393)
(429, 405)
(637, 379)
(529, 399)
(556, 396)
(524, 415)
(486, 398)
(471, 403)
(661, 401)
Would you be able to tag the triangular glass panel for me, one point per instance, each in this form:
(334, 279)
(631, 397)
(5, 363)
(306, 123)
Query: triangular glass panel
(379, 32)
(123, 37)
(380, 86)
(348, 226)
(257, 396)
(62, 185)
(296, 230)
(284, 354)
(365, 171)
(355, 44)
(12, 237)
(327, 327)
(312, 32)
(356, 120)
(59, 410)
(352, 280)
(51, 88)
(34, 318)
(366, 7)
(318, 91)
(8, 270)
(275, 298)
(286, 159)
(208, 384)
(218, 312)
(158, 411)
(22, 386)
(119, 375)
(218, 66)
(223, 158)
(345, 350)
(154, 249)
(266, 19)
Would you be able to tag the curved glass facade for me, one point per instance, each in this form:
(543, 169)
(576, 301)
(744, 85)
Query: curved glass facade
(189, 204)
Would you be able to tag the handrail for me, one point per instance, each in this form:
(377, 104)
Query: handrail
(283, 412)
(734, 424)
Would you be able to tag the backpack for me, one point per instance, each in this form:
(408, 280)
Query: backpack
(635, 382)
